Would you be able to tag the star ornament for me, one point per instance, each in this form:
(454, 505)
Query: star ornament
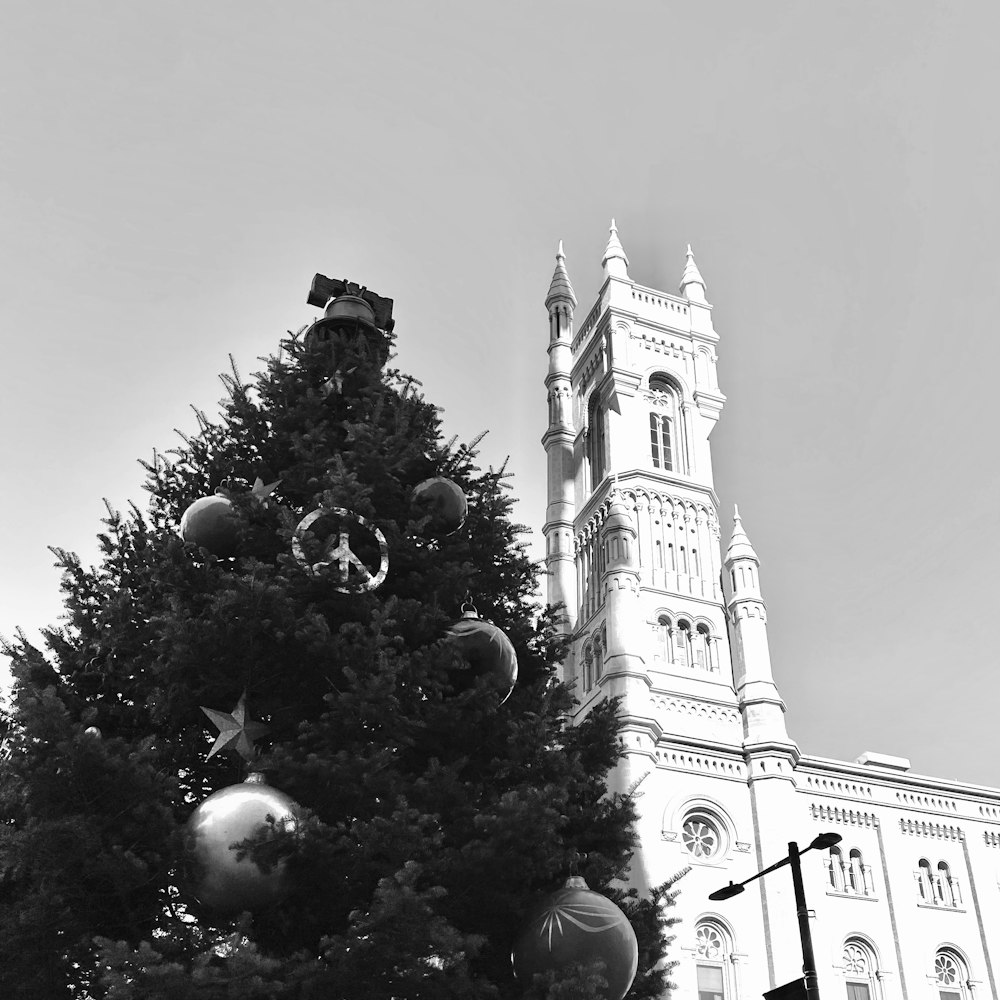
(237, 730)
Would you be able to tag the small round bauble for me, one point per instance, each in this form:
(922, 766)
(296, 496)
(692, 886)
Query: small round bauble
(444, 504)
(93, 732)
(223, 877)
(487, 649)
(576, 924)
(211, 523)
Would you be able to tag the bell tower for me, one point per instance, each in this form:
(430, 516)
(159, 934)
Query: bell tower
(632, 532)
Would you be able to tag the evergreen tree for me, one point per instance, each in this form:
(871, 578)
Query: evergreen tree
(432, 817)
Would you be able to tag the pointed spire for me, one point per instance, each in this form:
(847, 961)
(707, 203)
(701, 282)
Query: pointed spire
(739, 543)
(692, 283)
(560, 288)
(615, 262)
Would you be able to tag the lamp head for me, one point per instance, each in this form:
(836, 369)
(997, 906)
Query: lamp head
(825, 840)
(726, 892)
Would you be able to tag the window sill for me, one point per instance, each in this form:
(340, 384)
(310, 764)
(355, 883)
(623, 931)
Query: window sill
(852, 895)
(940, 907)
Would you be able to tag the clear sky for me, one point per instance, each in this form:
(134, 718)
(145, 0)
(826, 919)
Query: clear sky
(172, 175)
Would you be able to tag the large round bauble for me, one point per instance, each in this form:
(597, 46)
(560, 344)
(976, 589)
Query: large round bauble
(487, 650)
(211, 523)
(221, 877)
(574, 925)
(444, 504)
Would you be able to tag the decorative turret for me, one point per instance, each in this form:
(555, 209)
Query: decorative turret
(558, 443)
(615, 262)
(560, 288)
(762, 708)
(692, 283)
(621, 585)
(739, 544)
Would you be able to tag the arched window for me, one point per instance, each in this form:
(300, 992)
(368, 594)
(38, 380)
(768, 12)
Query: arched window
(588, 667)
(682, 643)
(835, 866)
(925, 883)
(598, 658)
(664, 629)
(662, 423)
(596, 442)
(860, 967)
(946, 887)
(713, 950)
(855, 875)
(701, 653)
(951, 975)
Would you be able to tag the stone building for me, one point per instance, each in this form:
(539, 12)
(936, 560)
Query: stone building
(907, 906)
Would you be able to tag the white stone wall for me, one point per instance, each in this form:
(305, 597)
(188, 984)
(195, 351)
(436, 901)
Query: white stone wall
(706, 742)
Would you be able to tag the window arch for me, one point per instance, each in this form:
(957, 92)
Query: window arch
(855, 872)
(664, 435)
(951, 975)
(588, 667)
(936, 885)
(835, 869)
(596, 441)
(664, 636)
(925, 882)
(860, 969)
(713, 961)
(598, 656)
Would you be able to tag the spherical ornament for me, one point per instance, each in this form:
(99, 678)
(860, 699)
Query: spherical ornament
(93, 731)
(487, 649)
(222, 877)
(211, 523)
(575, 925)
(443, 502)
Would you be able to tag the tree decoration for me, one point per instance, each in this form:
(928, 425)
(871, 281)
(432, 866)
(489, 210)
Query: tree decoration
(237, 731)
(227, 840)
(577, 925)
(350, 569)
(260, 490)
(443, 503)
(486, 648)
(211, 523)
(94, 732)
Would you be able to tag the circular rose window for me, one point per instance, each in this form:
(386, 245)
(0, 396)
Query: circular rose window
(701, 836)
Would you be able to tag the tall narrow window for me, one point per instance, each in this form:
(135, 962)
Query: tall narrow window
(836, 867)
(682, 647)
(588, 668)
(660, 443)
(701, 647)
(662, 426)
(859, 967)
(855, 873)
(944, 889)
(951, 975)
(713, 949)
(596, 443)
(924, 881)
(663, 626)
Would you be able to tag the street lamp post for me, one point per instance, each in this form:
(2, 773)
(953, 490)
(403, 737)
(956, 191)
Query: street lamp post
(809, 981)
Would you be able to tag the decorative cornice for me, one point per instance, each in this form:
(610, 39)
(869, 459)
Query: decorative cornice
(849, 817)
(921, 828)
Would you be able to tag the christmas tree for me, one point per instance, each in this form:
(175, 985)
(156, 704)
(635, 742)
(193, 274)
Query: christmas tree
(318, 593)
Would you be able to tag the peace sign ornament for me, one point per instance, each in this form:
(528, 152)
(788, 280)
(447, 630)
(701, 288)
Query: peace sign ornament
(355, 573)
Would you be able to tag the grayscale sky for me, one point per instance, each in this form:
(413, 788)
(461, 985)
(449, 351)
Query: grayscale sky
(173, 174)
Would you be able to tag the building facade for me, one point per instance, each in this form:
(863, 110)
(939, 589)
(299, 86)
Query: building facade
(907, 905)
